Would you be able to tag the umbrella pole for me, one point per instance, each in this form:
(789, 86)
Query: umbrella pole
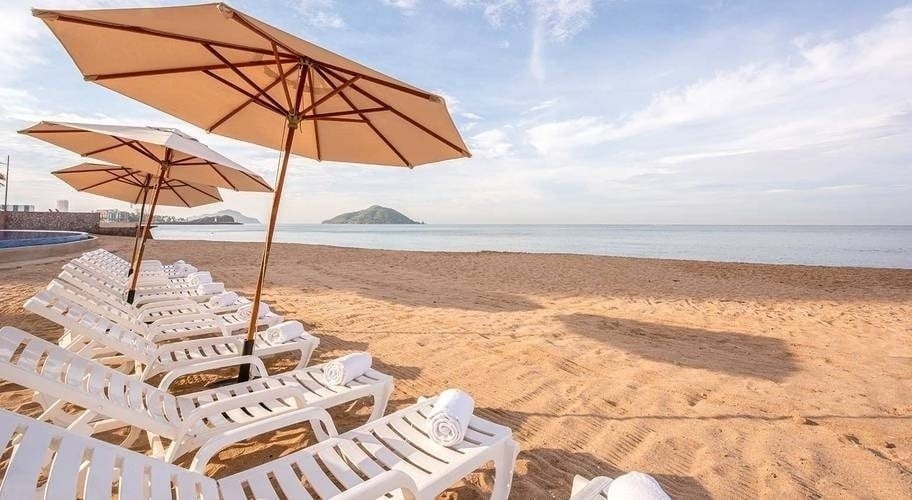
(131, 294)
(244, 370)
(139, 224)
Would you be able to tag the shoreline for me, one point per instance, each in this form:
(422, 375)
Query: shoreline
(719, 379)
(555, 254)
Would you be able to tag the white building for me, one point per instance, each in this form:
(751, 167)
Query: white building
(63, 205)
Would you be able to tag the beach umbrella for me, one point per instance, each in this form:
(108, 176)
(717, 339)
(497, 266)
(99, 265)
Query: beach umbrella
(234, 75)
(133, 186)
(166, 153)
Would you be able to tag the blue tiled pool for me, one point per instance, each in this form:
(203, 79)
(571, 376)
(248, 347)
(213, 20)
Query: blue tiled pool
(26, 238)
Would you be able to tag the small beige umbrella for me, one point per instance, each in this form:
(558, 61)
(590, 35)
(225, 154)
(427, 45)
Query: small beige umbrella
(133, 186)
(166, 153)
(234, 75)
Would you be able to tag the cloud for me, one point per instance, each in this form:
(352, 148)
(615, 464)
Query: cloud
(404, 5)
(492, 143)
(320, 13)
(548, 104)
(823, 91)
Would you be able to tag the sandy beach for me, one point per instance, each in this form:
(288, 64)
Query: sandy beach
(721, 380)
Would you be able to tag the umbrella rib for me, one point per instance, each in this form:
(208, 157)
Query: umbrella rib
(67, 171)
(220, 174)
(315, 123)
(323, 116)
(336, 90)
(112, 179)
(244, 22)
(152, 32)
(253, 97)
(248, 101)
(102, 150)
(278, 62)
(402, 115)
(173, 190)
(366, 119)
(241, 74)
(140, 150)
(191, 186)
(172, 71)
(145, 186)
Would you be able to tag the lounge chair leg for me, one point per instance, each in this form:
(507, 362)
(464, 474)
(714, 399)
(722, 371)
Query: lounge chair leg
(504, 464)
(381, 400)
(131, 438)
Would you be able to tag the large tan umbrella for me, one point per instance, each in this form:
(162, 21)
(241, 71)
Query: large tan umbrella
(167, 154)
(133, 186)
(234, 75)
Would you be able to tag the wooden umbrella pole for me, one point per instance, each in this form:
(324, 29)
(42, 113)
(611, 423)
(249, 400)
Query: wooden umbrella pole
(139, 224)
(244, 371)
(131, 294)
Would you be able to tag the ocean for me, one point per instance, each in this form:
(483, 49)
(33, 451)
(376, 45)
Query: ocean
(864, 246)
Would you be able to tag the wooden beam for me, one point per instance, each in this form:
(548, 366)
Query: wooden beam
(249, 100)
(243, 76)
(171, 71)
(253, 98)
(404, 116)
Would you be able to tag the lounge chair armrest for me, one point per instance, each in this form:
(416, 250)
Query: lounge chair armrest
(378, 486)
(213, 364)
(211, 447)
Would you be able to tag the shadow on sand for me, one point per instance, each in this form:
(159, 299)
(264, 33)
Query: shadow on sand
(734, 353)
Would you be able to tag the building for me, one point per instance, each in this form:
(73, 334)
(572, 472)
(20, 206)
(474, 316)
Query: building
(63, 205)
(17, 208)
(115, 215)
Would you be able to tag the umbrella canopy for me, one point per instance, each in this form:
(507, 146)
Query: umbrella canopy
(131, 185)
(234, 75)
(147, 149)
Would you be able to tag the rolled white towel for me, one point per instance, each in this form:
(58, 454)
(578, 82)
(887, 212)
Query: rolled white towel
(246, 310)
(343, 370)
(199, 278)
(283, 332)
(448, 420)
(636, 486)
(178, 263)
(187, 269)
(210, 288)
(223, 299)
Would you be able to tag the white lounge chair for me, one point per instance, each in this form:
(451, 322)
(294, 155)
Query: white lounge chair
(107, 290)
(94, 336)
(387, 458)
(114, 261)
(163, 320)
(110, 399)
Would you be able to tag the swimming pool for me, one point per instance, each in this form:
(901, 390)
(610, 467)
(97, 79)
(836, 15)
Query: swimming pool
(10, 238)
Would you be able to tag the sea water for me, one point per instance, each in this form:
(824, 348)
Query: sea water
(866, 246)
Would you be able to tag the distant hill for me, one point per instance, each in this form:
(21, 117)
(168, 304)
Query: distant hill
(234, 214)
(372, 215)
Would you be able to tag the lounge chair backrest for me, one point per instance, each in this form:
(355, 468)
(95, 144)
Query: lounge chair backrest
(91, 302)
(91, 321)
(59, 464)
(60, 374)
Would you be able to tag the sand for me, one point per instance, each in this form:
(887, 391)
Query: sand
(721, 380)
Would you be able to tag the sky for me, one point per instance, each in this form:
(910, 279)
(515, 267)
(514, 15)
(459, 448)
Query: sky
(576, 111)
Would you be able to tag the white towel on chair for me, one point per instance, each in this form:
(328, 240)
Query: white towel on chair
(246, 310)
(199, 278)
(284, 331)
(343, 370)
(636, 486)
(448, 420)
(210, 288)
(223, 299)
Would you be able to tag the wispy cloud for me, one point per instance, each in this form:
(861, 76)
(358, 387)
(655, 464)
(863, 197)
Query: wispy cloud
(320, 13)
(822, 92)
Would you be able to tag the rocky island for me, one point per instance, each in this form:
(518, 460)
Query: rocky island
(372, 215)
